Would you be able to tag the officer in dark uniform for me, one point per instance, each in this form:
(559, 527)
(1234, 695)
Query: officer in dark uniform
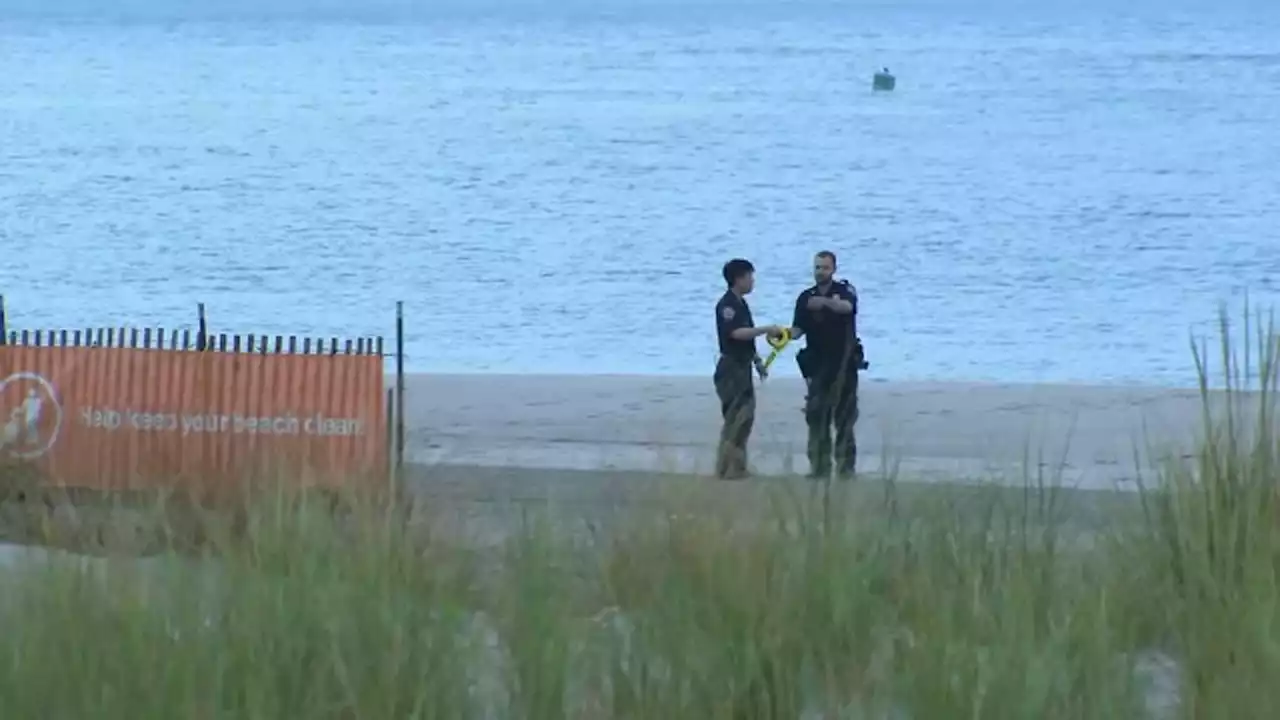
(734, 385)
(826, 314)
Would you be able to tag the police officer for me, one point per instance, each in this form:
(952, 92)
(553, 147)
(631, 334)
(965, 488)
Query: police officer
(734, 385)
(826, 314)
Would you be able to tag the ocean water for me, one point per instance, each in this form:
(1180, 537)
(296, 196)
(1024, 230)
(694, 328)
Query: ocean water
(1057, 191)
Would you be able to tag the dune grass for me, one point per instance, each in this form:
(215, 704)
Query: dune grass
(842, 605)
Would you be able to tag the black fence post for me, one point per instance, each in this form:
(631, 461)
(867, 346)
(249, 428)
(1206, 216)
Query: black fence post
(201, 339)
(4, 326)
(399, 393)
(391, 444)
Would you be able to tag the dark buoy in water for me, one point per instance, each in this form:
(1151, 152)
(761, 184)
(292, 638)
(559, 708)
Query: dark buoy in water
(884, 81)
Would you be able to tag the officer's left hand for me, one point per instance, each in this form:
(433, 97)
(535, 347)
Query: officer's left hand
(817, 302)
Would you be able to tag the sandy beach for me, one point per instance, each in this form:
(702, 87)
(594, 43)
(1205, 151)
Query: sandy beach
(1090, 437)
(485, 447)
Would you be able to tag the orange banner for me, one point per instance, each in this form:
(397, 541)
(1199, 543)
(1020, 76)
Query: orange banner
(116, 418)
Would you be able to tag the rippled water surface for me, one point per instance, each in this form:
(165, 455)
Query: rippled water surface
(1057, 191)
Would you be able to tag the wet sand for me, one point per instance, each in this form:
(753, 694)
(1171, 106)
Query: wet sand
(1090, 437)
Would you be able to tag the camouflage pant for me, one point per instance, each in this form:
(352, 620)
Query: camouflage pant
(832, 400)
(736, 391)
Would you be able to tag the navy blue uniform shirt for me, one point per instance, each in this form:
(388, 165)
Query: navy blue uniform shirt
(732, 313)
(829, 334)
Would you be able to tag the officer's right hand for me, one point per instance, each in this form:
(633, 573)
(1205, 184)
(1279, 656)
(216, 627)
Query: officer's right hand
(773, 331)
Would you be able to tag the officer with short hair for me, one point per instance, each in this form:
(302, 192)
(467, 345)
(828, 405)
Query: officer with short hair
(735, 387)
(826, 315)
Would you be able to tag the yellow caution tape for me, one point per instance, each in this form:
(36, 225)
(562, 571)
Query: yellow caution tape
(778, 344)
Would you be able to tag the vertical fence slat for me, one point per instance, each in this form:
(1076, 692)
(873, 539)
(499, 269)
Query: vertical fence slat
(235, 343)
(76, 339)
(279, 344)
(293, 344)
(133, 338)
(306, 346)
(65, 336)
(4, 322)
(347, 347)
(186, 339)
(222, 342)
(39, 337)
(379, 349)
(203, 328)
(146, 339)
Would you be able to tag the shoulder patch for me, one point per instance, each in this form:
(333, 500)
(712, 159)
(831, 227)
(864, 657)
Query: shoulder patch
(727, 312)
